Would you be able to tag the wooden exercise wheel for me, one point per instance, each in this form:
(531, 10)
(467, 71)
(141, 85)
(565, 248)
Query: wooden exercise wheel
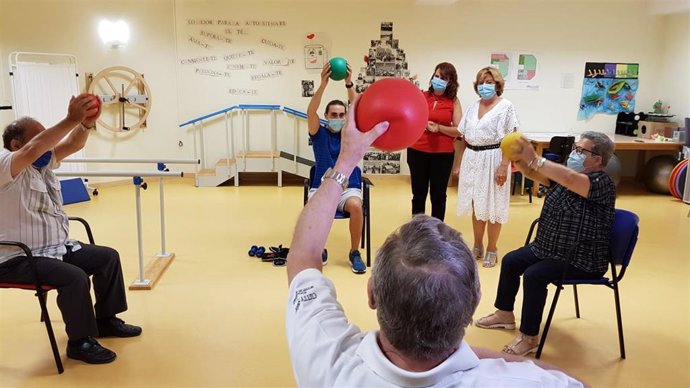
(125, 97)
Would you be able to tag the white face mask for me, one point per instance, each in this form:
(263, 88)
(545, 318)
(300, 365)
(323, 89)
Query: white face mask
(576, 162)
(336, 125)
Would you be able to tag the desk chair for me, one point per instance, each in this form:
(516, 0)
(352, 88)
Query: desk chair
(525, 183)
(558, 152)
(42, 289)
(366, 227)
(622, 243)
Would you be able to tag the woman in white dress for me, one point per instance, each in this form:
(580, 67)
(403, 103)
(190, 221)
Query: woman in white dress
(484, 179)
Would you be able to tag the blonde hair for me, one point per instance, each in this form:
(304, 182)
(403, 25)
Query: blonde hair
(495, 74)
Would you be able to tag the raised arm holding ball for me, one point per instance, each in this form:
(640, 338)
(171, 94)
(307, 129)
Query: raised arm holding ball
(423, 301)
(326, 141)
(32, 213)
(579, 206)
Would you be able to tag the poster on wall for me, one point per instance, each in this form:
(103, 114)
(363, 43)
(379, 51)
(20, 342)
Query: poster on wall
(314, 56)
(316, 47)
(384, 59)
(243, 56)
(519, 70)
(307, 88)
(608, 88)
(380, 162)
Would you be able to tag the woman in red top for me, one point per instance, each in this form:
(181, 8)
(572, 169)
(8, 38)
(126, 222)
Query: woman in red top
(431, 158)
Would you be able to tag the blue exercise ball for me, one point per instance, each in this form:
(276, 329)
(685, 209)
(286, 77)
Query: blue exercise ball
(657, 171)
(614, 169)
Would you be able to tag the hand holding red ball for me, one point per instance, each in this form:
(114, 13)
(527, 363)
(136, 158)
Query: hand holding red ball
(400, 103)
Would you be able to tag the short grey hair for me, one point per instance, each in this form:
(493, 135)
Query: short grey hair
(426, 288)
(603, 145)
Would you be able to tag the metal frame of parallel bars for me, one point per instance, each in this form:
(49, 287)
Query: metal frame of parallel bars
(243, 112)
(138, 181)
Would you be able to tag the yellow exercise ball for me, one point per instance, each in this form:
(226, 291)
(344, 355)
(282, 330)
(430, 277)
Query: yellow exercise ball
(509, 141)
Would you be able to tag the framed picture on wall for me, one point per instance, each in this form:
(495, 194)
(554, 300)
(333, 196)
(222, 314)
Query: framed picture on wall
(314, 56)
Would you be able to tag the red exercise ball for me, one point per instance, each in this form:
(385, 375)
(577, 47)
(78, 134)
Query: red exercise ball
(399, 102)
(98, 102)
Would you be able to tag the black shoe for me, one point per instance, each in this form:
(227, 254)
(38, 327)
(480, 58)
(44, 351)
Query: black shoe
(116, 327)
(90, 351)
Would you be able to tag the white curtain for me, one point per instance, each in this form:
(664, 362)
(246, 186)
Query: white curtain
(42, 91)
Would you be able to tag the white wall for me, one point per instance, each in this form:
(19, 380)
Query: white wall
(674, 86)
(563, 34)
(72, 27)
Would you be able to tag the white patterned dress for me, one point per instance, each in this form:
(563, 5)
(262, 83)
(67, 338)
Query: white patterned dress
(477, 184)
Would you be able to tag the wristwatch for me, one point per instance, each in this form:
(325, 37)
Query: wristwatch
(350, 85)
(336, 176)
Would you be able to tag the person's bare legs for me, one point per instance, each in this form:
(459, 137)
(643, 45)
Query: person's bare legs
(353, 205)
(491, 257)
(478, 229)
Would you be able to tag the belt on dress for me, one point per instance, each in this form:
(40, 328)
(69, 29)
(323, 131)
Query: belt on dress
(484, 147)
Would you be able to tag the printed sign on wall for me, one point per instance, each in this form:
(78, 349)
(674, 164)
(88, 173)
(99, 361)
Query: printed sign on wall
(608, 88)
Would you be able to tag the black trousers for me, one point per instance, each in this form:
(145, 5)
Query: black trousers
(537, 274)
(71, 278)
(429, 173)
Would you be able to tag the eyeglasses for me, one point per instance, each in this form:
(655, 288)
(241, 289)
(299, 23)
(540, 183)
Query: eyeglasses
(578, 150)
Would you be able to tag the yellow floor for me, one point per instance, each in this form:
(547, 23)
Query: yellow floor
(216, 317)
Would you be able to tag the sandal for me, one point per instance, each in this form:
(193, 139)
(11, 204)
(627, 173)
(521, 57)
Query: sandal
(269, 256)
(491, 322)
(477, 253)
(280, 251)
(490, 260)
(520, 346)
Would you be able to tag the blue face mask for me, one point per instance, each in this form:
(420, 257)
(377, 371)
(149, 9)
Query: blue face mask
(336, 125)
(438, 84)
(486, 91)
(576, 162)
(43, 160)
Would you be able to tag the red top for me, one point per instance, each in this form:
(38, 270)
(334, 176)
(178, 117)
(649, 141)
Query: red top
(441, 112)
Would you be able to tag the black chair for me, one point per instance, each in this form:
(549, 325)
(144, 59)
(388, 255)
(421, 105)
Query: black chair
(558, 151)
(366, 226)
(621, 244)
(42, 289)
(519, 176)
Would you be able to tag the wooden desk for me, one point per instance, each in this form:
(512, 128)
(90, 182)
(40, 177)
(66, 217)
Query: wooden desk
(623, 143)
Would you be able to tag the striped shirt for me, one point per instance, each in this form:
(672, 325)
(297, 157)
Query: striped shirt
(31, 211)
(568, 218)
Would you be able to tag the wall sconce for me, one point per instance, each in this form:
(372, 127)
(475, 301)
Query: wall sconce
(114, 34)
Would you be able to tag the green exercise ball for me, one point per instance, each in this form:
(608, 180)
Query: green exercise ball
(338, 68)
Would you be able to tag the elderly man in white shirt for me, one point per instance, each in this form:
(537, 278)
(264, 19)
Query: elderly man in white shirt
(31, 212)
(425, 289)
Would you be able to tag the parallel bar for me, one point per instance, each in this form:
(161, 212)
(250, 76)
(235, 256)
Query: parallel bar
(258, 107)
(294, 112)
(216, 113)
(163, 252)
(129, 174)
(301, 115)
(137, 191)
(128, 160)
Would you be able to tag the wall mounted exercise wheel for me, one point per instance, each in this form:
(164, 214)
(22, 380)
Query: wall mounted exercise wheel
(125, 97)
